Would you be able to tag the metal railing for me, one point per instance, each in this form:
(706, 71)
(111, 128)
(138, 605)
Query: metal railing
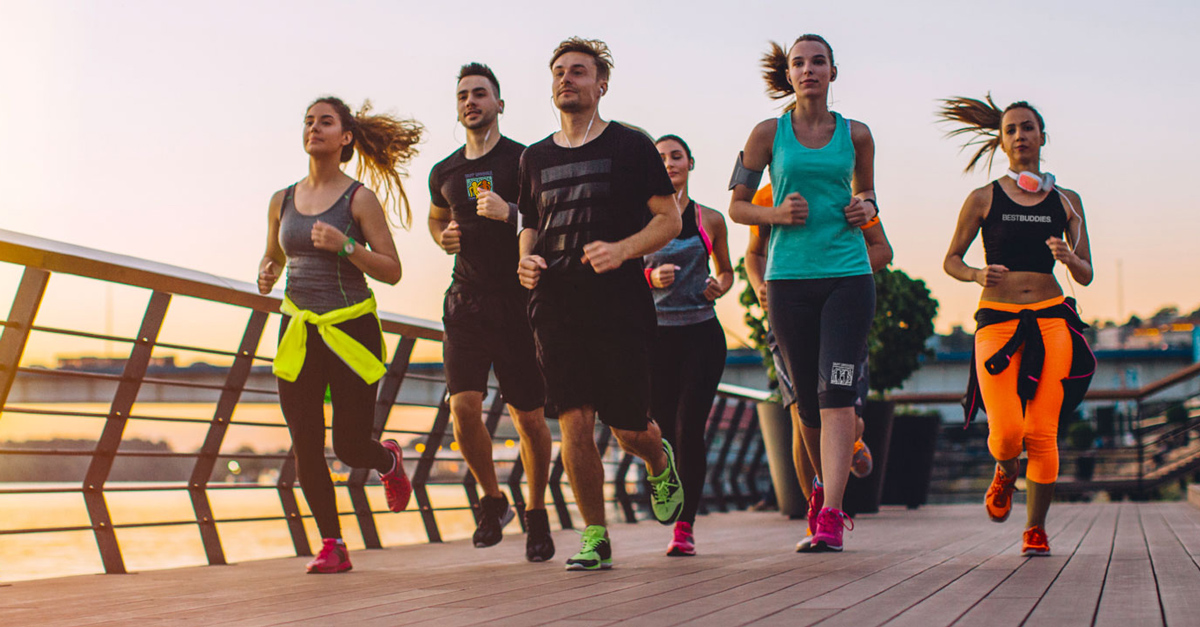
(1136, 469)
(736, 450)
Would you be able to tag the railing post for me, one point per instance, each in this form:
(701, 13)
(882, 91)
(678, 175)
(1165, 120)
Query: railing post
(1140, 449)
(20, 318)
(556, 491)
(425, 466)
(739, 460)
(621, 490)
(235, 381)
(715, 478)
(469, 483)
(291, 507)
(114, 429)
(389, 388)
(760, 451)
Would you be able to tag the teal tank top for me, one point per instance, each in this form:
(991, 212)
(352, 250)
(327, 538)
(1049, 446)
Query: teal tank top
(826, 245)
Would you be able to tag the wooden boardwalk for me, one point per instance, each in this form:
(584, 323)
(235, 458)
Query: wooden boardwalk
(1116, 564)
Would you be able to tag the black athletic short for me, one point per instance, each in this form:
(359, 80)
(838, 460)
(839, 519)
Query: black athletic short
(787, 392)
(593, 344)
(821, 326)
(491, 329)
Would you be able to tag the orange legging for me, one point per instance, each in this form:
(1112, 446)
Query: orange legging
(1037, 425)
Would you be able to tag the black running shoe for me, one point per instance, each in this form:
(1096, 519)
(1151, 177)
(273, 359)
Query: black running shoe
(494, 514)
(539, 545)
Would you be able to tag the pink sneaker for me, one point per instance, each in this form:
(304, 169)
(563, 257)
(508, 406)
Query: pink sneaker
(395, 483)
(830, 523)
(816, 501)
(333, 558)
(683, 543)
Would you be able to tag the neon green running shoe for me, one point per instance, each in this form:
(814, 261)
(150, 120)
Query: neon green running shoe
(666, 492)
(596, 553)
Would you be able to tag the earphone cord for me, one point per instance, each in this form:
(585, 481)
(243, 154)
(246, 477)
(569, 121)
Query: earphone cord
(585, 133)
(1075, 244)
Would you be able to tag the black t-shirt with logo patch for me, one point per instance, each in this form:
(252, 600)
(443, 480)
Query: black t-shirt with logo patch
(488, 257)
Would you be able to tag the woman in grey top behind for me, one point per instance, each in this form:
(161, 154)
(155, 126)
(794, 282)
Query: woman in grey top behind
(689, 350)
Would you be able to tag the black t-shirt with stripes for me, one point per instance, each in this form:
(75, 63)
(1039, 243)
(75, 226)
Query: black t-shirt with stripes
(596, 192)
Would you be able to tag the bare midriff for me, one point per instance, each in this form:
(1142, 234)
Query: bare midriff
(1023, 288)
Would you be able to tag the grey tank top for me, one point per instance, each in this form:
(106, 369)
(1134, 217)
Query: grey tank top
(683, 302)
(318, 280)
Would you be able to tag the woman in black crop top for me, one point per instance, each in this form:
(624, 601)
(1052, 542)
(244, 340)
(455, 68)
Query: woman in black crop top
(330, 230)
(1026, 228)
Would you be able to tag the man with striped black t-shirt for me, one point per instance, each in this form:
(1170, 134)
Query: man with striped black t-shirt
(594, 198)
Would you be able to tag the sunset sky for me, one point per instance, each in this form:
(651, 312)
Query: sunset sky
(160, 130)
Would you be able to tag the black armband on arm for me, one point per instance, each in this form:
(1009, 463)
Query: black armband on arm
(744, 176)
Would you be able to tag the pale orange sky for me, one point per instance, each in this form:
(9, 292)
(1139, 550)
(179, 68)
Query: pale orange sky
(160, 130)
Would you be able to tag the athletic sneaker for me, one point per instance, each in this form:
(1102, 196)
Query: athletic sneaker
(395, 482)
(861, 463)
(999, 496)
(333, 558)
(1035, 542)
(830, 523)
(816, 500)
(684, 543)
(494, 514)
(666, 493)
(539, 545)
(805, 543)
(596, 552)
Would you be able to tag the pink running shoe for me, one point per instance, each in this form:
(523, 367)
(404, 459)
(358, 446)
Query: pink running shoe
(395, 482)
(816, 501)
(830, 523)
(683, 544)
(333, 558)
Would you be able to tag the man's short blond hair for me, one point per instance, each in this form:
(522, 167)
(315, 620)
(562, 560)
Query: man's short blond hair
(594, 48)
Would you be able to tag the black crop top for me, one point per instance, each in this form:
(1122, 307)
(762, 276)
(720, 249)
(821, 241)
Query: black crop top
(1014, 236)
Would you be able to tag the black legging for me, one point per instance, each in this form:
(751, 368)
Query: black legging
(303, 404)
(687, 366)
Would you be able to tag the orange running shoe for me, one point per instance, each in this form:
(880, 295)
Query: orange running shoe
(999, 496)
(1035, 542)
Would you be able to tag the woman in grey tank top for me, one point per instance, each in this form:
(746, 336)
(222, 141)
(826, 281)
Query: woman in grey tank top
(330, 231)
(689, 350)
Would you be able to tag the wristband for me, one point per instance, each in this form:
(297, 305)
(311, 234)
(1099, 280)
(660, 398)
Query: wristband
(870, 223)
(872, 201)
(512, 213)
(347, 247)
(648, 281)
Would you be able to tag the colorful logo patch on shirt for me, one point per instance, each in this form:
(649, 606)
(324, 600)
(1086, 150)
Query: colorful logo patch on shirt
(480, 182)
(842, 374)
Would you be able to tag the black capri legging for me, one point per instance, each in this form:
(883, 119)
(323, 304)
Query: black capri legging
(687, 363)
(822, 327)
(303, 404)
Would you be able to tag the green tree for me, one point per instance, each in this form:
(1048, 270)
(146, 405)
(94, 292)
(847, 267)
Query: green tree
(904, 313)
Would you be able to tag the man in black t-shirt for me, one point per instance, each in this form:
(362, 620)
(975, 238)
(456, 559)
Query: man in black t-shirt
(594, 198)
(484, 311)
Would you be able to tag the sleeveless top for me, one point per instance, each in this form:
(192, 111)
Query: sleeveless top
(317, 280)
(1014, 235)
(826, 245)
(683, 302)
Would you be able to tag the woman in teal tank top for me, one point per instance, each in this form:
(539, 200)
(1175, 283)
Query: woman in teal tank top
(819, 287)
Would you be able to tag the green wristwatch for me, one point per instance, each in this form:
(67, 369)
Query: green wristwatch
(347, 248)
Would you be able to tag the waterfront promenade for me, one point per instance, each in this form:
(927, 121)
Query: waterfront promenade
(1120, 564)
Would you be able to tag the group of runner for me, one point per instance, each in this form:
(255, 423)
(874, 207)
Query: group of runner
(582, 278)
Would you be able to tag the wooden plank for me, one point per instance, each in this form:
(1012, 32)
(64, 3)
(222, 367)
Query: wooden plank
(965, 593)
(934, 566)
(1129, 596)
(1175, 572)
(1074, 596)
